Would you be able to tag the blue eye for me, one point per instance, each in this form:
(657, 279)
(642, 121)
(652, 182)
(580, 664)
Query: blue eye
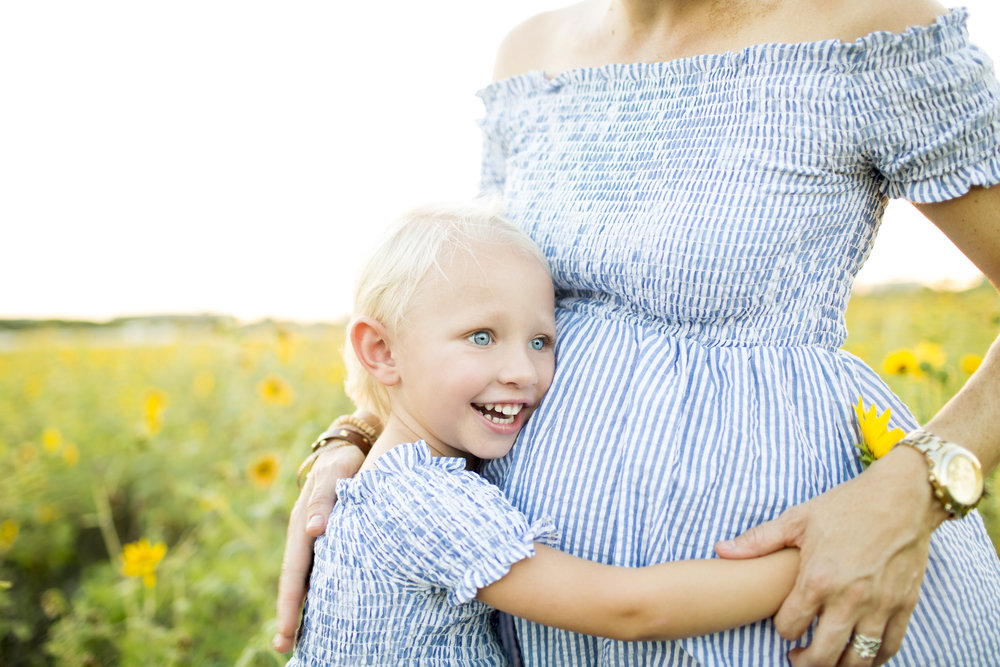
(481, 338)
(538, 343)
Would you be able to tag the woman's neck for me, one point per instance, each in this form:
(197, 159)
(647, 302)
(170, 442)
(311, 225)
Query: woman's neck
(647, 30)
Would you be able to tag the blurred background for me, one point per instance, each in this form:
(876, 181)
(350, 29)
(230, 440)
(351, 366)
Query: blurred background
(186, 189)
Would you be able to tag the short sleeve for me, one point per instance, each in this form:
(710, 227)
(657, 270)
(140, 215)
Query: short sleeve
(456, 531)
(930, 112)
(493, 166)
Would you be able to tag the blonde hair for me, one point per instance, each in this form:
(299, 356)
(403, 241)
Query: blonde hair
(394, 273)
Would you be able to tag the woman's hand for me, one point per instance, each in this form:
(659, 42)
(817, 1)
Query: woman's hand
(308, 521)
(863, 547)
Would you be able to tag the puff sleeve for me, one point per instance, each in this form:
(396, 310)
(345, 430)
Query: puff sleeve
(930, 112)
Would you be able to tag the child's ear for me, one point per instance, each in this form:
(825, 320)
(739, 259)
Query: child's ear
(370, 341)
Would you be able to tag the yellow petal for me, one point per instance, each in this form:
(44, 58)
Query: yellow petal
(886, 442)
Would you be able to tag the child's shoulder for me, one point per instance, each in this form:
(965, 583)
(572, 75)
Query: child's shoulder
(410, 474)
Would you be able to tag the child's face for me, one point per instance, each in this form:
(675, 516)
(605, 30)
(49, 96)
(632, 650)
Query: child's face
(475, 352)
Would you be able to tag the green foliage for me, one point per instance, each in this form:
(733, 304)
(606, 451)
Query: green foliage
(961, 324)
(110, 443)
(113, 435)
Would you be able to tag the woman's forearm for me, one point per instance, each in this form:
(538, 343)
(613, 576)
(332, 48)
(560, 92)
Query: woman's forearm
(972, 417)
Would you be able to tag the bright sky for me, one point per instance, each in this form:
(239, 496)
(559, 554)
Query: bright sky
(237, 156)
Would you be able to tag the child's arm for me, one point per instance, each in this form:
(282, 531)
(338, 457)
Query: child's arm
(666, 601)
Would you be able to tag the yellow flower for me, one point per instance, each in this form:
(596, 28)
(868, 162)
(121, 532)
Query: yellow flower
(51, 440)
(931, 354)
(264, 470)
(275, 390)
(876, 440)
(902, 362)
(970, 363)
(152, 407)
(141, 558)
(8, 533)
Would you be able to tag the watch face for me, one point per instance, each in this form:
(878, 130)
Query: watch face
(964, 480)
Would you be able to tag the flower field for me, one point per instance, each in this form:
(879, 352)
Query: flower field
(149, 472)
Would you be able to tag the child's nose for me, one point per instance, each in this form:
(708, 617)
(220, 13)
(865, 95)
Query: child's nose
(519, 368)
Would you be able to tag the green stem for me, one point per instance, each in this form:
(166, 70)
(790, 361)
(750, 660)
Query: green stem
(105, 521)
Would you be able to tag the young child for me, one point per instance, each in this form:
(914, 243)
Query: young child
(452, 346)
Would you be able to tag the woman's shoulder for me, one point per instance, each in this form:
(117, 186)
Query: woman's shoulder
(550, 41)
(850, 20)
(528, 45)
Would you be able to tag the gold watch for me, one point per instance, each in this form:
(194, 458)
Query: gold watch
(954, 472)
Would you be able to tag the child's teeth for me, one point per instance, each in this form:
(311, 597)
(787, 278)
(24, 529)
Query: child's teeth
(501, 413)
(500, 420)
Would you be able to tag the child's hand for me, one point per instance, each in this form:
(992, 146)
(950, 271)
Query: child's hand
(308, 521)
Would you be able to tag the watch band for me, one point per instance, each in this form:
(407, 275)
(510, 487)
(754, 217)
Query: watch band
(934, 448)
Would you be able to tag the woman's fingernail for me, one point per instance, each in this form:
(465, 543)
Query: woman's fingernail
(315, 521)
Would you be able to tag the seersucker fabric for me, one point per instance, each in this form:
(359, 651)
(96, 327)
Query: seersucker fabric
(407, 547)
(705, 219)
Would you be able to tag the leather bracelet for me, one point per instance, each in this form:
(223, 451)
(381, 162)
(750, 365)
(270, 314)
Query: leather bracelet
(363, 426)
(352, 429)
(347, 434)
(345, 430)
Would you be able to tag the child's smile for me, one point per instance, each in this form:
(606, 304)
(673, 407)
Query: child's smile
(502, 414)
(474, 354)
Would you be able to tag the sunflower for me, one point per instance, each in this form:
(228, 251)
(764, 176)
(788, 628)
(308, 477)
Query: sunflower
(970, 363)
(275, 390)
(876, 440)
(141, 558)
(152, 408)
(902, 362)
(264, 470)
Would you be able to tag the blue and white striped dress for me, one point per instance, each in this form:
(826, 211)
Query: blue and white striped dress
(705, 219)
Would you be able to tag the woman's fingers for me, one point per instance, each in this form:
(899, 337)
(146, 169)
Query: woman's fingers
(294, 570)
(863, 553)
(762, 539)
(892, 638)
(332, 465)
(863, 647)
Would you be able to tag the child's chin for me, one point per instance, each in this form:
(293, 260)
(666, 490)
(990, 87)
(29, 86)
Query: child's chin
(497, 452)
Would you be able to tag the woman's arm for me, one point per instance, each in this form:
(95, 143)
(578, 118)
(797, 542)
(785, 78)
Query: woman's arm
(307, 522)
(864, 544)
(667, 601)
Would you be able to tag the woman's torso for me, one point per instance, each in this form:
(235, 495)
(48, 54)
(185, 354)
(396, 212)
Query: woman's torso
(704, 219)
